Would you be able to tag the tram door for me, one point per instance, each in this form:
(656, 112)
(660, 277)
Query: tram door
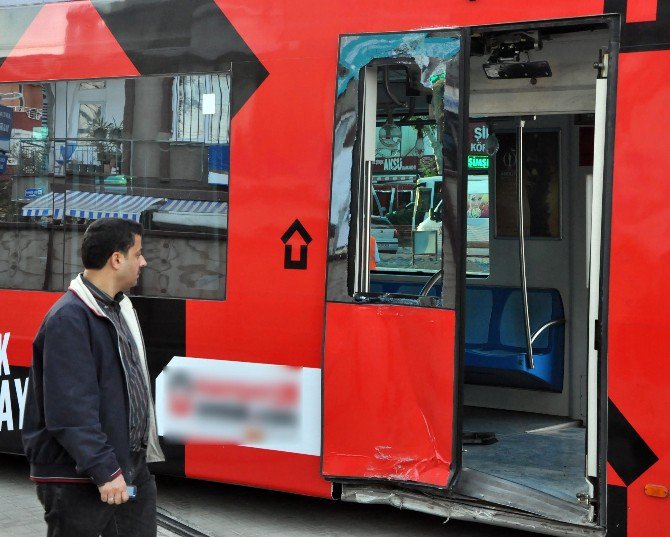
(393, 293)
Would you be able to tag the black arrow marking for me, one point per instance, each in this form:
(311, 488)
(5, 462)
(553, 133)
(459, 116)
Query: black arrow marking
(627, 452)
(289, 263)
(183, 36)
(639, 36)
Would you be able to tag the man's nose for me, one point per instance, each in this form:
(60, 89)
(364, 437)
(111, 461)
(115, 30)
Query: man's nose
(143, 262)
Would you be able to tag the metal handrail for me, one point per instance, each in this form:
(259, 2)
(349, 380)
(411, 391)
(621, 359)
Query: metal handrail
(544, 327)
(522, 249)
(432, 281)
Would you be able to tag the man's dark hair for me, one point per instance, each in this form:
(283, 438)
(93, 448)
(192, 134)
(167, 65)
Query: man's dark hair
(106, 236)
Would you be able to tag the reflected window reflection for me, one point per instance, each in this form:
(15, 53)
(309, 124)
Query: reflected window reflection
(26, 159)
(92, 84)
(90, 118)
(202, 109)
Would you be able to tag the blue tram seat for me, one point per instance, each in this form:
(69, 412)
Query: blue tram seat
(495, 340)
(495, 347)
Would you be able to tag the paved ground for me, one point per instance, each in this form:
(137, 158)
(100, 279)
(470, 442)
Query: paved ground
(231, 511)
(21, 514)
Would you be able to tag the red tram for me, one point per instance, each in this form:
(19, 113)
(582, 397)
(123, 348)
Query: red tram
(492, 365)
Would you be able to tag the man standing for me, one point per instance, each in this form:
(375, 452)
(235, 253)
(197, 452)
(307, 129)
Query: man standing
(90, 426)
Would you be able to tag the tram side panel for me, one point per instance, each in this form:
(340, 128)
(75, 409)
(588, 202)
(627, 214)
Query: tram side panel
(20, 317)
(639, 430)
(272, 313)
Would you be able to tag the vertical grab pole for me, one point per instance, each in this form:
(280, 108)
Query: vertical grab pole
(530, 363)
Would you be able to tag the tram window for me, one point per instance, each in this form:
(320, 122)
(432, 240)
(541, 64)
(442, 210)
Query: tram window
(541, 185)
(119, 153)
(412, 147)
(26, 123)
(407, 161)
(396, 131)
(169, 175)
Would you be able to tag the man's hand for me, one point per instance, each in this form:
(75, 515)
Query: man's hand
(114, 492)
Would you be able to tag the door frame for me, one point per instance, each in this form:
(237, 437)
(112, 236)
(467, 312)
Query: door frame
(462, 204)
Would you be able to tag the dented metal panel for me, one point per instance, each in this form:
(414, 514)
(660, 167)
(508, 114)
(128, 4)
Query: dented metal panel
(388, 393)
(463, 509)
(389, 365)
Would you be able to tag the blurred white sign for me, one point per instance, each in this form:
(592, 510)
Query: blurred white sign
(257, 405)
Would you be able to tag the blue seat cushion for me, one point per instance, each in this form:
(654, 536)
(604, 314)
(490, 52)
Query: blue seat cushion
(500, 359)
(506, 368)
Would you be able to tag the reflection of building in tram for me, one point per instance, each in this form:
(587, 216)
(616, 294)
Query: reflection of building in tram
(27, 101)
(392, 192)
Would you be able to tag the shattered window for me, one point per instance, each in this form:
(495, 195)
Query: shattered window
(395, 170)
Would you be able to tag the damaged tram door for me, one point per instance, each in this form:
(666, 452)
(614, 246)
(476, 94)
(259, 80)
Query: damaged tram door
(394, 316)
(392, 309)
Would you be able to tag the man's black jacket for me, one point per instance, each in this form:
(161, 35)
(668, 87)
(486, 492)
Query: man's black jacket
(76, 418)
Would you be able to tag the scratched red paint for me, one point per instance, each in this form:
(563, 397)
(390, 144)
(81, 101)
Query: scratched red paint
(387, 401)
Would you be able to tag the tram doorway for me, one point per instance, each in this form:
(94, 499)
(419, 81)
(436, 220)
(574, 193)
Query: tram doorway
(530, 400)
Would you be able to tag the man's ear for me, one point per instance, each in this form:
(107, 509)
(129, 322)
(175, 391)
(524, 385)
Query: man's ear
(115, 260)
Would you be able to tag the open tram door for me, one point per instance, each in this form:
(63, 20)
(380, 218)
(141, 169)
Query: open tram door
(534, 367)
(418, 337)
(390, 357)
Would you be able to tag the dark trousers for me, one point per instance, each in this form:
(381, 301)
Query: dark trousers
(75, 510)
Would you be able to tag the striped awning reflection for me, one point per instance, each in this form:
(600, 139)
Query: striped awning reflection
(195, 207)
(193, 214)
(89, 205)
